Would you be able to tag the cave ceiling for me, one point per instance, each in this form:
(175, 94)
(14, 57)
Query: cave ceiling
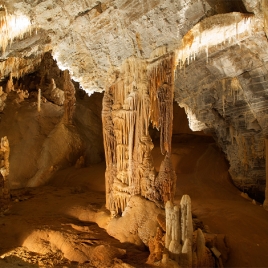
(93, 38)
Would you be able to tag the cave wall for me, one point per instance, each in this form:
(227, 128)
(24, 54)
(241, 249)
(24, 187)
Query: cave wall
(43, 142)
(226, 94)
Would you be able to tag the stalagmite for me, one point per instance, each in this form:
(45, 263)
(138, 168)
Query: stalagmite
(55, 94)
(39, 100)
(3, 97)
(4, 172)
(9, 85)
(166, 180)
(156, 247)
(69, 98)
(203, 255)
(173, 233)
(186, 230)
(21, 95)
(179, 231)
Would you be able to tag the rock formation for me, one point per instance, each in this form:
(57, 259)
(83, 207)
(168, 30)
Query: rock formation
(142, 91)
(179, 231)
(9, 85)
(21, 95)
(4, 172)
(180, 244)
(126, 140)
(3, 97)
(69, 98)
(39, 99)
(55, 94)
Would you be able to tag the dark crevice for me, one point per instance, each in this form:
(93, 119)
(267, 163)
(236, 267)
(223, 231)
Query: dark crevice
(226, 6)
(97, 7)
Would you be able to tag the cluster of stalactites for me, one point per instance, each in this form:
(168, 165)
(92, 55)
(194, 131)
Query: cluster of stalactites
(19, 66)
(161, 86)
(141, 92)
(12, 26)
(218, 30)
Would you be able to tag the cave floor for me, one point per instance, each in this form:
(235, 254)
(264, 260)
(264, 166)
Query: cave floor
(54, 225)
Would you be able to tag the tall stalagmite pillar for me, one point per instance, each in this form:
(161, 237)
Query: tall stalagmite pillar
(142, 92)
(69, 98)
(125, 117)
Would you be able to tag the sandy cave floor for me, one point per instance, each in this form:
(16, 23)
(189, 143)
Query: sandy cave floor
(53, 226)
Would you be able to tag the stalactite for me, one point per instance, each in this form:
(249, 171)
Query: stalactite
(161, 79)
(69, 98)
(109, 143)
(4, 172)
(211, 32)
(235, 88)
(19, 66)
(9, 85)
(12, 26)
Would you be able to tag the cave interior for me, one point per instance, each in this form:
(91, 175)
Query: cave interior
(133, 133)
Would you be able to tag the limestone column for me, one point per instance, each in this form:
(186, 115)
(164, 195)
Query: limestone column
(69, 98)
